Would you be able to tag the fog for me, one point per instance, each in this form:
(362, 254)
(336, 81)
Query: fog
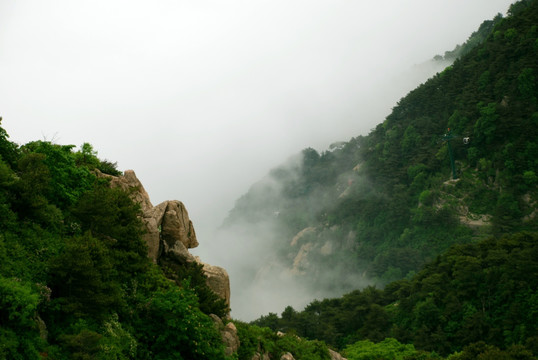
(201, 98)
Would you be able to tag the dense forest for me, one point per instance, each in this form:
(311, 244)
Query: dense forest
(75, 278)
(476, 296)
(436, 208)
(382, 205)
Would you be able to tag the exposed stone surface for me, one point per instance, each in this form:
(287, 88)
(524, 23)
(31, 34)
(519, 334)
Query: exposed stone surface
(169, 231)
(287, 356)
(336, 356)
(300, 262)
(259, 356)
(177, 251)
(228, 333)
(301, 234)
(230, 339)
(128, 182)
(217, 280)
(42, 327)
(326, 249)
(176, 225)
(167, 222)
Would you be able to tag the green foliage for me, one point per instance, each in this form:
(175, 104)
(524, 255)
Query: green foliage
(192, 276)
(262, 340)
(19, 336)
(82, 345)
(483, 351)
(111, 215)
(471, 293)
(478, 37)
(87, 157)
(378, 198)
(484, 129)
(8, 150)
(67, 181)
(74, 266)
(83, 278)
(171, 326)
(75, 280)
(302, 349)
(117, 342)
(254, 339)
(388, 349)
(527, 84)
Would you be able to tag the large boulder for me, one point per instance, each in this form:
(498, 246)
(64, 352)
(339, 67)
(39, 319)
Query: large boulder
(176, 225)
(169, 231)
(129, 182)
(168, 227)
(228, 333)
(217, 280)
(336, 356)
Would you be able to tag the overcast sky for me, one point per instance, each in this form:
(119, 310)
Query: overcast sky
(202, 97)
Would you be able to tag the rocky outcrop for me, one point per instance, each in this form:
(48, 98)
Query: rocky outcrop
(169, 231)
(229, 335)
(168, 226)
(217, 280)
(259, 356)
(336, 356)
(301, 234)
(300, 262)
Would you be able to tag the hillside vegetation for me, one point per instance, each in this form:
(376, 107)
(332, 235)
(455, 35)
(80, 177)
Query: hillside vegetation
(457, 257)
(75, 278)
(453, 242)
(483, 296)
(382, 205)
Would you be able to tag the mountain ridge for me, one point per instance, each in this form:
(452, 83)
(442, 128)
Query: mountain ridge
(384, 204)
(457, 257)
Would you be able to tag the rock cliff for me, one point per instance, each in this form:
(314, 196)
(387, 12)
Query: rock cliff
(169, 231)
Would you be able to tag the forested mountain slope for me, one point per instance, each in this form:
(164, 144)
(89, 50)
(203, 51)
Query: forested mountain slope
(76, 281)
(472, 295)
(75, 278)
(378, 207)
(464, 249)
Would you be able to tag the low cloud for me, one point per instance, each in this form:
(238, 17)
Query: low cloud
(201, 98)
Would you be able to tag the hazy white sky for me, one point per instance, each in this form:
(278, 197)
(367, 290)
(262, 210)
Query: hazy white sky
(202, 97)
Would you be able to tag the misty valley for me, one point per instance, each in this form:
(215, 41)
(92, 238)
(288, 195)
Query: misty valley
(416, 241)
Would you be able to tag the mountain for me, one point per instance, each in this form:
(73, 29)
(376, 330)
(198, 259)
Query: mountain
(90, 269)
(475, 299)
(455, 162)
(437, 205)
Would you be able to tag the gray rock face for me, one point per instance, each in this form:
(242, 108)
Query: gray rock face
(217, 280)
(169, 231)
(176, 225)
(287, 356)
(230, 339)
(228, 333)
(336, 356)
(259, 356)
